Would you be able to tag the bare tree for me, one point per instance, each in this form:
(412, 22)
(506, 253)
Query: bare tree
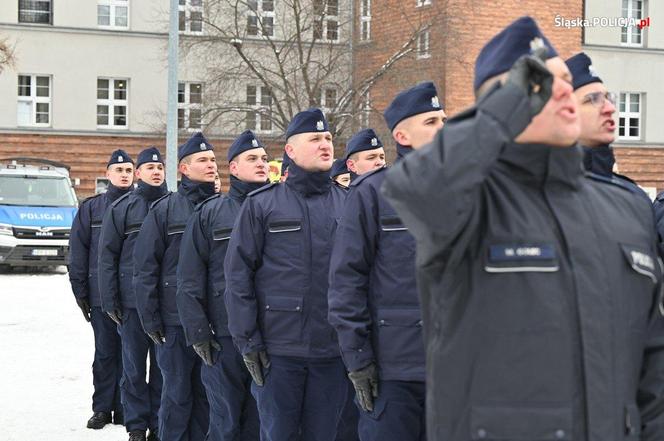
(7, 54)
(265, 61)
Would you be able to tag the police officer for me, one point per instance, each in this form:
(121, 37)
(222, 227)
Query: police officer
(340, 174)
(285, 162)
(200, 295)
(120, 228)
(364, 152)
(184, 412)
(373, 298)
(276, 290)
(83, 248)
(539, 284)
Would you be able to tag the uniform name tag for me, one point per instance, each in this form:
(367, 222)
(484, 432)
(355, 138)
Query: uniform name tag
(515, 258)
(640, 261)
(222, 233)
(134, 228)
(176, 229)
(392, 223)
(96, 224)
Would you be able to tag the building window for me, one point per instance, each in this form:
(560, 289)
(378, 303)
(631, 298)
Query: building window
(34, 100)
(35, 11)
(190, 101)
(259, 98)
(260, 18)
(366, 112)
(632, 35)
(423, 2)
(113, 13)
(365, 20)
(629, 120)
(112, 103)
(190, 16)
(423, 50)
(326, 20)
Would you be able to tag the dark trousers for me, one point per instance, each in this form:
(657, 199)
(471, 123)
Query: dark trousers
(107, 364)
(398, 414)
(233, 413)
(140, 398)
(350, 416)
(184, 412)
(302, 399)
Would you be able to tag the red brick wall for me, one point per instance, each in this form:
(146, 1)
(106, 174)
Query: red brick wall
(644, 165)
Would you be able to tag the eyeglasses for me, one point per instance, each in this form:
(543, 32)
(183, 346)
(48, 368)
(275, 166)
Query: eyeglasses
(598, 99)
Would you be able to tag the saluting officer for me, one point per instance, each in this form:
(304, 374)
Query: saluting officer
(200, 295)
(373, 299)
(83, 249)
(539, 284)
(276, 290)
(364, 153)
(120, 228)
(184, 412)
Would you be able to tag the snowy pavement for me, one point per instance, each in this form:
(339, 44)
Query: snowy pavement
(46, 351)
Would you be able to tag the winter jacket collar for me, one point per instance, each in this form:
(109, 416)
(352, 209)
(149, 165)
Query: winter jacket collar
(195, 191)
(308, 183)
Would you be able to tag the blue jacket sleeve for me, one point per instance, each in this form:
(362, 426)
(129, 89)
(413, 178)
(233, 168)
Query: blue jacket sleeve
(350, 267)
(192, 276)
(148, 252)
(79, 252)
(111, 241)
(243, 258)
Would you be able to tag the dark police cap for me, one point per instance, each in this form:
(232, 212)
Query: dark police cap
(246, 141)
(338, 168)
(307, 121)
(581, 67)
(150, 154)
(197, 143)
(285, 162)
(410, 102)
(119, 157)
(363, 140)
(502, 51)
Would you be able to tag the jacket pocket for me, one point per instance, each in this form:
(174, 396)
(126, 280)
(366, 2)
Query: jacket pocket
(283, 319)
(392, 223)
(176, 229)
(493, 423)
(521, 257)
(223, 233)
(284, 226)
(400, 335)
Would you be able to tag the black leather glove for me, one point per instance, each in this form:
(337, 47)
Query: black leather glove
(157, 336)
(115, 315)
(257, 363)
(204, 350)
(365, 382)
(531, 75)
(85, 308)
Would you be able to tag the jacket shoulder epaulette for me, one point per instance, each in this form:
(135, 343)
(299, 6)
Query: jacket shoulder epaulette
(89, 198)
(156, 201)
(263, 188)
(200, 205)
(363, 177)
(121, 198)
(609, 180)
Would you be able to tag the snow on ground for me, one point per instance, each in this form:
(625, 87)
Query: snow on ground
(46, 351)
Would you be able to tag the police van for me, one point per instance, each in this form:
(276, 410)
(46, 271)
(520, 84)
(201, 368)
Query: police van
(37, 207)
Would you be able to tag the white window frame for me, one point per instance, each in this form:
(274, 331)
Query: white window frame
(33, 100)
(630, 33)
(187, 106)
(624, 102)
(259, 110)
(327, 18)
(261, 14)
(188, 9)
(366, 112)
(422, 3)
(321, 98)
(365, 20)
(113, 5)
(424, 45)
(112, 102)
(50, 13)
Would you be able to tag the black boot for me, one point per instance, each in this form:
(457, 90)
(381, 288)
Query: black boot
(137, 435)
(153, 436)
(99, 420)
(118, 417)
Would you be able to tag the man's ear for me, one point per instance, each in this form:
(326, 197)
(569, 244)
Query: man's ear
(350, 164)
(401, 136)
(182, 168)
(107, 173)
(290, 150)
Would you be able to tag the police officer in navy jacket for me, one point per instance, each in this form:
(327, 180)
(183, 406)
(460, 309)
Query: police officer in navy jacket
(83, 249)
(184, 412)
(120, 228)
(200, 295)
(373, 299)
(276, 290)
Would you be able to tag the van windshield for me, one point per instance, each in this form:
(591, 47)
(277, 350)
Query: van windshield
(36, 191)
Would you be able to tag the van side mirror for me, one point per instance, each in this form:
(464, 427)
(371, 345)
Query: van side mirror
(77, 182)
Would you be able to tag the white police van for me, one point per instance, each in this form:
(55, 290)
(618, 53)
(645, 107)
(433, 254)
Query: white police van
(37, 207)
